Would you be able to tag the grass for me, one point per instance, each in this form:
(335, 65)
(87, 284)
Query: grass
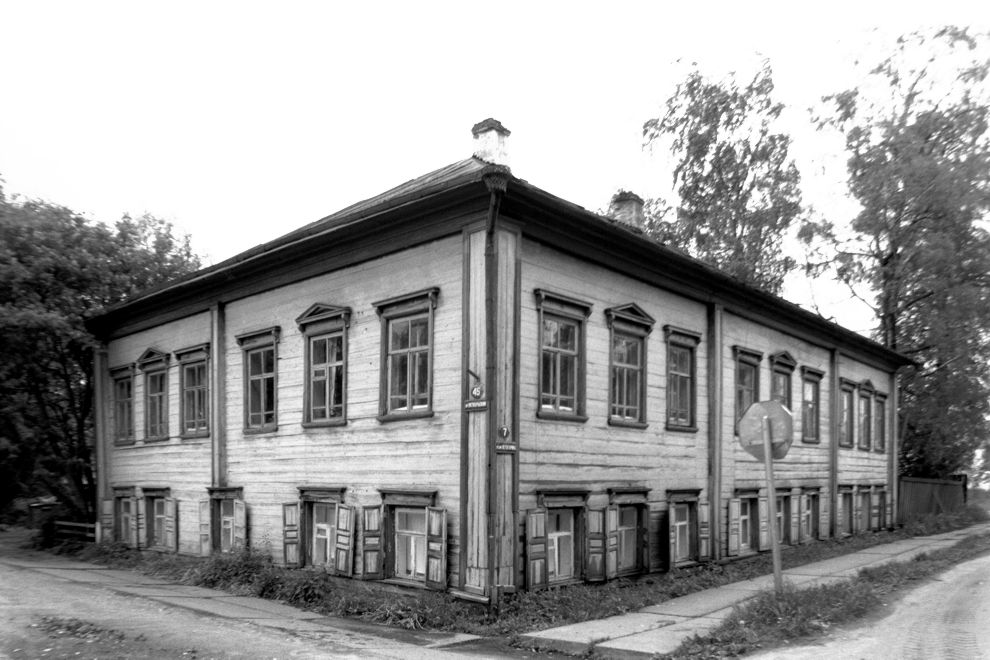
(251, 572)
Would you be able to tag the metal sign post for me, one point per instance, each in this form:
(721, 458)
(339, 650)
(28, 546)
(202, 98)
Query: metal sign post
(765, 431)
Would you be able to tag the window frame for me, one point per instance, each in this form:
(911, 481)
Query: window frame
(194, 357)
(119, 375)
(255, 342)
(154, 364)
(690, 500)
(125, 533)
(864, 441)
(782, 364)
(880, 419)
(407, 306)
(748, 359)
(221, 525)
(783, 504)
(811, 376)
(392, 502)
(628, 322)
(688, 340)
(749, 543)
(847, 414)
(323, 321)
(569, 309)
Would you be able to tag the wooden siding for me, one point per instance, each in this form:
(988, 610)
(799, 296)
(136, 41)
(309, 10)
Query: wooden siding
(856, 466)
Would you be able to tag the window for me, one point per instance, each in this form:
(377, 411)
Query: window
(222, 521)
(846, 513)
(195, 387)
(865, 510)
(325, 327)
(227, 525)
(560, 544)
(810, 520)
(628, 532)
(781, 367)
(747, 378)
(415, 539)
(749, 524)
(155, 506)
(811, 404)
(880, 442)
(407, 355)
(154, 364)
(561, 372)
(882, 509)
(123, 405)
(410, 543)
(847, 426)
(683, 535)
(865, 415)
(783, 521)
(629, 326)
(125, 518)
(260, 374)
(681, 389)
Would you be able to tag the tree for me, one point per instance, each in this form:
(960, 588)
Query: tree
(919, 154)
(738, 189)
(55, 269)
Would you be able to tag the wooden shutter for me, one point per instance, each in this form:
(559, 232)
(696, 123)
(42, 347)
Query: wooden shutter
(732, 549)
(840, 523)
(704, 532)
(138, 530)
(889, 512)
(106, 520)
(857, 499)
(343, 546)
(805, 536)
(436, 548)
(290, 534)
(595, 546)
(205, 534)
(612, 542)
(823, 521)
(536, 549)
(240, 524)
(795, 519)
(643, 533)
(171, 524)
(763, 508)
(372, 552)
(875, 510)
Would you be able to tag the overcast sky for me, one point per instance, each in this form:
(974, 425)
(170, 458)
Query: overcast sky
(239, 121)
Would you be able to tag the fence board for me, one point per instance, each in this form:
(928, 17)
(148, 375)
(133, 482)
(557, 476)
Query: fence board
(919, 497)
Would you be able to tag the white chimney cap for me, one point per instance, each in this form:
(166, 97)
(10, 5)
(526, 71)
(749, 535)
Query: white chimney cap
(489, 141)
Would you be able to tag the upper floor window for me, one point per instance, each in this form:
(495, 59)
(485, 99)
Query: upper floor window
(811, 404)
(123, 404)
(154, 364)
(847, 420)
(407, 354)
(260, 375)
(325, 329)
(865, 415)
(747, 378)
(781, 367)
(195, 388)
(880, 442)
(629, 326)
(681, 378)
(562, 356)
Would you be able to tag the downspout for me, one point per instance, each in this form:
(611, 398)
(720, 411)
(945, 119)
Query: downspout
(218, 404)
(835, 409)
(496, 179)
(715, 430)
(893, 447)
(100, 435)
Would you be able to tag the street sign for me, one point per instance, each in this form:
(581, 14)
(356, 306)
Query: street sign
(779, 423)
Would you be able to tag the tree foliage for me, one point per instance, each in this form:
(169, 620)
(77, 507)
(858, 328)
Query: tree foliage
(738, 188)
(919, 157)
(55, 269)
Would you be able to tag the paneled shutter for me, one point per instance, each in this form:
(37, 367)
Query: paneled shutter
(840, 523)
(240, 524)
(205, 534)
(595, 546)
(371, 542)
(732, 549)
(643, 522)
(795, 519)
(343, 547)
(138, 532)
(764, 513)
(875, 510)
(704, 532)
(806, 532)
(290, 534)
(857, 512)
(536, 549)
(436, 548)
(823, 521)
(171, 524)
(890, 513)
(106, 520)
(612, 542)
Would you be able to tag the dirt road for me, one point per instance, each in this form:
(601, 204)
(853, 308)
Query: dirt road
(947, 618)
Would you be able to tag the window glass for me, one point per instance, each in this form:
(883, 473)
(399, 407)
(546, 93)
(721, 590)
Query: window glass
(410, 543)
(810, 411)
(326, 385)
(261, 388)
(123, 408)
(194, 398)
(865, 422)
(847, 427)
(880, 444)
(680, 385)
(408, 363)
(323, 515)
(628, 533)
(559, 364)
(560, 544)
(627, 377)
(683, 520)
(156, 404)
(781, 388)
(747, 385)
(226, 525)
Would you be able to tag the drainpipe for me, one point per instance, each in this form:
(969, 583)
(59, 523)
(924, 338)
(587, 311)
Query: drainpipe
(496, 179)
(715, 431)
(218, 405)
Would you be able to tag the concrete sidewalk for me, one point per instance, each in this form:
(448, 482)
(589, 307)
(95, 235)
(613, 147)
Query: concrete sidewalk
(661, 628)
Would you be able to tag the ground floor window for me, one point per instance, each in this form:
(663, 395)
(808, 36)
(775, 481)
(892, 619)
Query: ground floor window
(783, 521)
(749, 524)
(865, 510)
(845, 514)
(560, 545)
(810, 515)
(628, 533)
(404, 540)
(882, 522)
(222, 521)
(410, 543)
(125, 519)
(684, 546)
(155, 506)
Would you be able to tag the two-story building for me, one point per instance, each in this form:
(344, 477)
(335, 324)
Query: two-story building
(468, 383)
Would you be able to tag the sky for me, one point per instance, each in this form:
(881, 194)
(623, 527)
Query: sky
(239, 121)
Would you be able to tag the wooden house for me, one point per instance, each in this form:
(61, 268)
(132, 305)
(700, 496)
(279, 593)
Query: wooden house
(467, 383)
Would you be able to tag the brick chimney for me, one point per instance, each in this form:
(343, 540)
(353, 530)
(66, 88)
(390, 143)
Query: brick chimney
(489, 141)
(627, 207)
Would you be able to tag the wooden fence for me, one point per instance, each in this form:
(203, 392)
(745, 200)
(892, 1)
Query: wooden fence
(73, 531)
(919, 497)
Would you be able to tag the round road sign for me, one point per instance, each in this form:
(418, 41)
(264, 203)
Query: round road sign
(772, 417)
